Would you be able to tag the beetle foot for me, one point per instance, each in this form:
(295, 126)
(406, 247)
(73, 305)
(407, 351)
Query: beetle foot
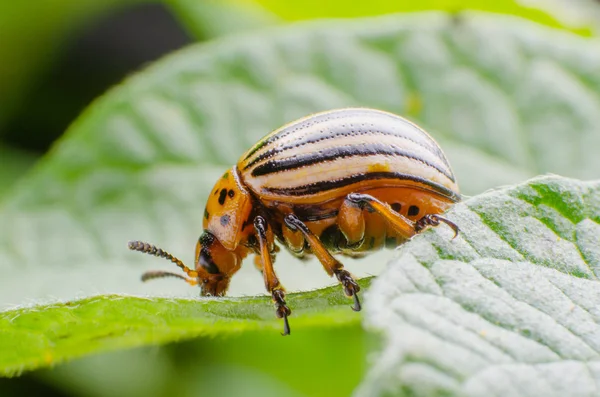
(351, 288)
(434, 220)
(282, 310)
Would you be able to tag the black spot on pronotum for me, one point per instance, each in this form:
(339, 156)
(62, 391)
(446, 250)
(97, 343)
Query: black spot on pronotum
(225, 220)
(206, 215)
(397, 207)
(231, 193)
(222, 196)
(413, 210)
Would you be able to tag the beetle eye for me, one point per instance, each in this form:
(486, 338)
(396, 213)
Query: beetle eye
(212, 256)
(206, 262)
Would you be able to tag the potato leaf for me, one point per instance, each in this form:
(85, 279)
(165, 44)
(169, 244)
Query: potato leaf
(510, 307)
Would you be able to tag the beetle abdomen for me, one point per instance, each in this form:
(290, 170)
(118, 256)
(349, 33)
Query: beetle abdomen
(328, 154)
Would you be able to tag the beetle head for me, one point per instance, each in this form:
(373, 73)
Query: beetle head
(215, 264)
(227, 209)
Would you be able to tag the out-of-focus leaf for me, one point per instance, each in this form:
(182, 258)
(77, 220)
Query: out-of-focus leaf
(13, 165)
(575, 13)
(535, 11)
(212, 18)
(509, 308)
(306, 364)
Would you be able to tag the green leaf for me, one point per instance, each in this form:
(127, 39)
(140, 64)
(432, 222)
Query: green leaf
(39, 336)
(510, 307)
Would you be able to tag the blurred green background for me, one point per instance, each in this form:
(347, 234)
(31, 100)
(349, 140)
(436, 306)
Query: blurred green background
(57, 56)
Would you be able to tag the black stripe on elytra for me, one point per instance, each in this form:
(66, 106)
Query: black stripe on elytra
(290, 129)
(259, 145)
(322, 186)
(371, 149)
(303, 124)
(315, 138)
(340, 114)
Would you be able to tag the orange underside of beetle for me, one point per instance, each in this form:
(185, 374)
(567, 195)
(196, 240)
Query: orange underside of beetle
(377, 229)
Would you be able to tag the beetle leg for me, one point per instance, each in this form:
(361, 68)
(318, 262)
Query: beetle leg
(294, 240)
(404, 226)
(271, 281)
(401, 224)
(331, 265)
(351, 222)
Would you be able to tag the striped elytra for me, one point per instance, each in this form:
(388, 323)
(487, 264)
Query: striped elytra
(344, 182)
(305, 160)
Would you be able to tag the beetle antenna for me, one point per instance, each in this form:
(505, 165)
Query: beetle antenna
(152, 274)
(154, 250)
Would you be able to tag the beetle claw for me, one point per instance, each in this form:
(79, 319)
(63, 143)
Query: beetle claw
(282, 310)
(434, 220)
(451, 224)
(351, 288)
(356, 307)
(286, 326)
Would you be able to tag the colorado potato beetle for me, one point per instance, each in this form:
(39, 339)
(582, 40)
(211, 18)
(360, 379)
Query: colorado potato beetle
(344, 182)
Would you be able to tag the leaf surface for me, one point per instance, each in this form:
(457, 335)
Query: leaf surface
(510, 307)
(44, 335)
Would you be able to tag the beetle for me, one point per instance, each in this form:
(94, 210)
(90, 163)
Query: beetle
(344, 181)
